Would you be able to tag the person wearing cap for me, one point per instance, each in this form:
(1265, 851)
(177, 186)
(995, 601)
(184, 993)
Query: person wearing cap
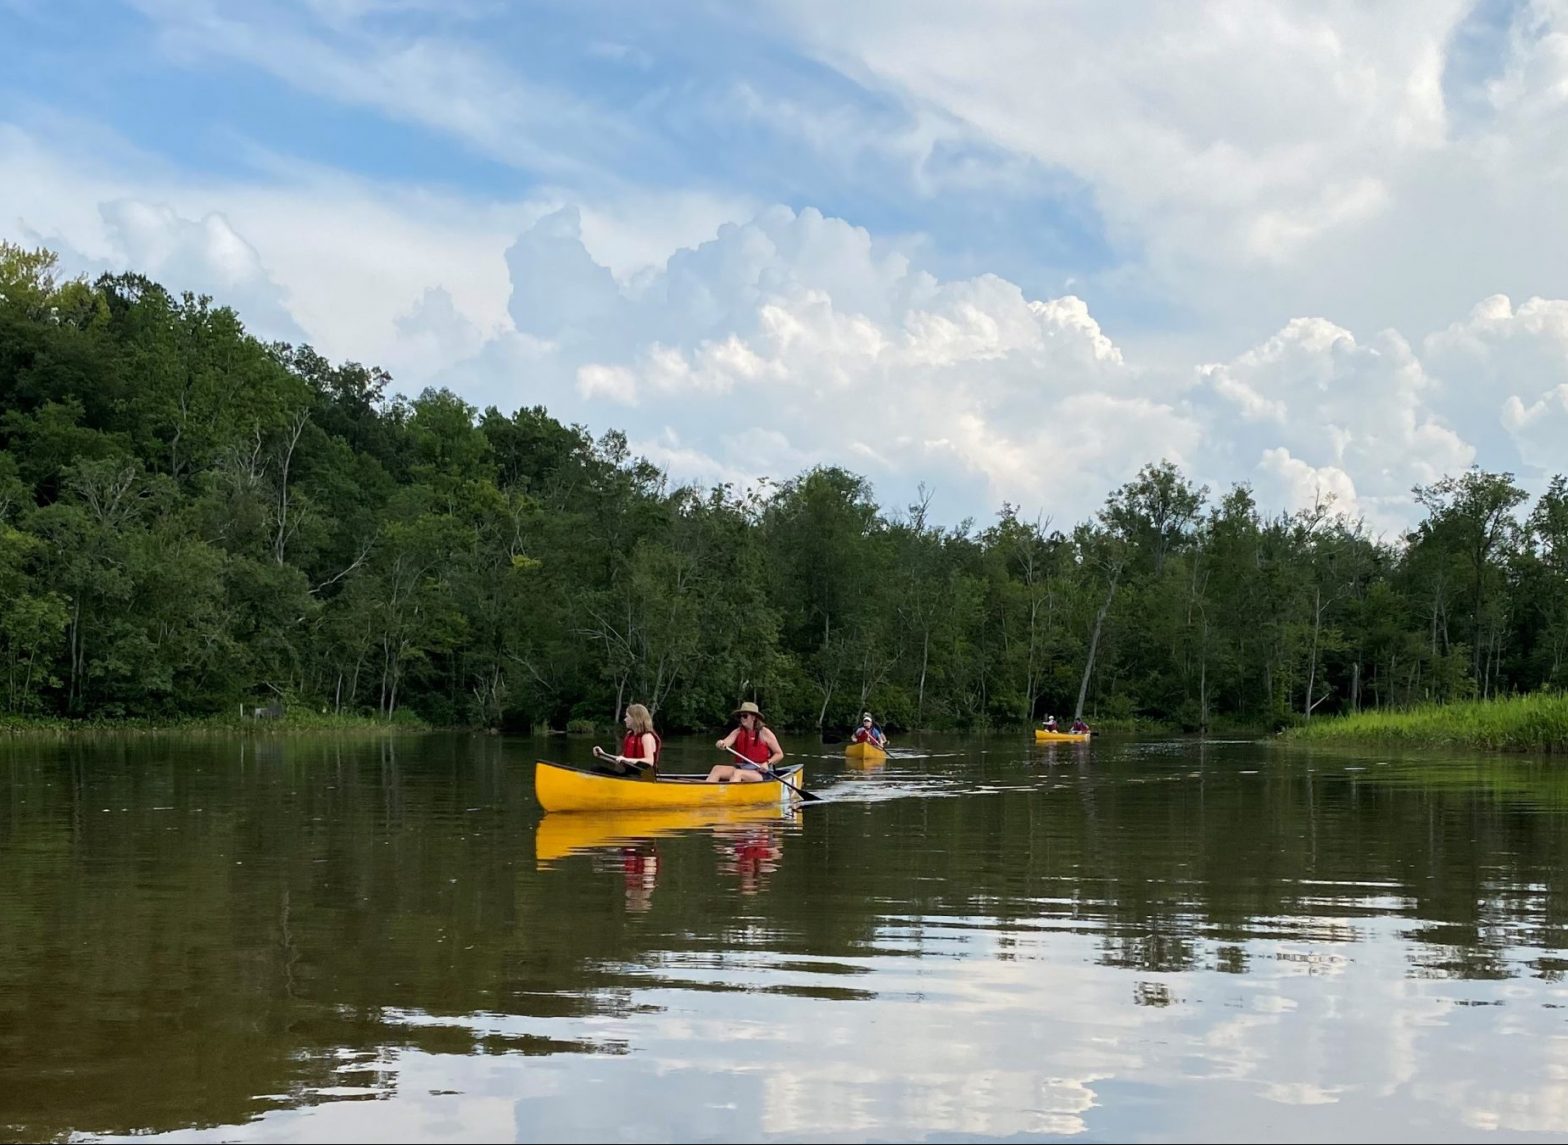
(1050, 723)
(869, 732)
(755, 742)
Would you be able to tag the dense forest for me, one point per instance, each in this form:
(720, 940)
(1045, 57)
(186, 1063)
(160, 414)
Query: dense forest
(192, 520)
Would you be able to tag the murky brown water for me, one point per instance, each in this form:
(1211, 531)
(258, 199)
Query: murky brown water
(982, 940)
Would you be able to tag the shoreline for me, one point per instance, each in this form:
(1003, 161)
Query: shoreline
(216, 725)
(1532, 723)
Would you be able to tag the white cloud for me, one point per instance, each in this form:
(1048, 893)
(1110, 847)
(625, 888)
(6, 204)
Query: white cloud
(616, 383)
(793, 338)
(1349, 160)
(301, 251)
(451, 84)
(1328, 415)
(204, 255)
(1506, 370)
(806, 327)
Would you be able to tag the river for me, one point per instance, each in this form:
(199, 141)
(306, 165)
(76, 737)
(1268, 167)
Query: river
(340, 939)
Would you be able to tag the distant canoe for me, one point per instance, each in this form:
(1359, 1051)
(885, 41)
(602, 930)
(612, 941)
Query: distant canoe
(559, 787)
(864, 753)
(584, 831)
(1041, 736)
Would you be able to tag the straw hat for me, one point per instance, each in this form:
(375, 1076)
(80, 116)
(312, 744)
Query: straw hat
(748, 709)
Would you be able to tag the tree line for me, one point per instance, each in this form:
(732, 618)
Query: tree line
(192, 519)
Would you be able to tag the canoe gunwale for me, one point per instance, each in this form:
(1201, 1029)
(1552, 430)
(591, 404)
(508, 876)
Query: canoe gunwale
(563, 787)
(786, 771)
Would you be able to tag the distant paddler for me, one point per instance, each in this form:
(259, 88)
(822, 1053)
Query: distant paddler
(870, 732)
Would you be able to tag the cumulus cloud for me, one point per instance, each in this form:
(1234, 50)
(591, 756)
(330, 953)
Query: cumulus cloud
(792, 338)
(203, 255)
(1334, 417)
(1506, 370)
(808, 328)
(1370, 164)
(847, 352)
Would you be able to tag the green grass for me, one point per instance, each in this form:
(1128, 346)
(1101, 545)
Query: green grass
(297, 720)
(1537, 722)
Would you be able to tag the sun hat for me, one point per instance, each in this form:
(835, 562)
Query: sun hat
(748, 709)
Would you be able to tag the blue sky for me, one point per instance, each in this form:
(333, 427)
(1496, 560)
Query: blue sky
(636, 95)
(1009, 251)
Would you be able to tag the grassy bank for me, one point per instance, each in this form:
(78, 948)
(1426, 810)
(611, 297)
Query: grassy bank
(294, 722)
(1536, 722)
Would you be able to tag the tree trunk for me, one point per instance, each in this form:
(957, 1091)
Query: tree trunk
(1203, 679)
(280, 539)
(1312, 657)
(1094, 644)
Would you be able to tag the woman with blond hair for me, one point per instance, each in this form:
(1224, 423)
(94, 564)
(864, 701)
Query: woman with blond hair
(641, 746)
(754, 742)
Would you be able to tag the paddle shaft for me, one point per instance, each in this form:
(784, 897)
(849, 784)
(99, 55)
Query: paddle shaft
(800, 791)
(602, 754)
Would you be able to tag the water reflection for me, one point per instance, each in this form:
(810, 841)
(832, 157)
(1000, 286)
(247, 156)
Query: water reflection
(583, 832)
(1174, 941)
(751, 852)
(748, 841)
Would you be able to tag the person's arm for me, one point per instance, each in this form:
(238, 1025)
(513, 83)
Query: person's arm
(650, 749)
(775, 752)
(729, 740)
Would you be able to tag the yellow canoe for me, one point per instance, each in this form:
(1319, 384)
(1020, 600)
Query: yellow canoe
(864, 752)
(560, 835)
(1042, 736)
(559, 787)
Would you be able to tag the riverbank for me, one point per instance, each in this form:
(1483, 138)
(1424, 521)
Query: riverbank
(1537, 722)
(294, 722)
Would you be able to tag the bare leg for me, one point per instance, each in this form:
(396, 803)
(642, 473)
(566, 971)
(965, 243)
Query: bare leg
(746, 775)
(720, 772)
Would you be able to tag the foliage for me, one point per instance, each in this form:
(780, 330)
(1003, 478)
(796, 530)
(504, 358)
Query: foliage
(191, 521)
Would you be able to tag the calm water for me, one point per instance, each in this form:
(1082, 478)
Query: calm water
(981, 940)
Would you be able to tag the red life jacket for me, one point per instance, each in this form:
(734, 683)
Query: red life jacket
(750, 744)
(631, 747)
(862, 734)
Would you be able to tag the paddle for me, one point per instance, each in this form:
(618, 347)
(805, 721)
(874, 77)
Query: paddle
(800, 791)
(642, 765)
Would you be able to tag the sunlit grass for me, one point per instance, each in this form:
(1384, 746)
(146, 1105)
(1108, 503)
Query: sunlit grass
(1537, 722)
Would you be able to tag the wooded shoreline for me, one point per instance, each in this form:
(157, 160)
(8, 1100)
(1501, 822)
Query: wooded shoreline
(193, 521)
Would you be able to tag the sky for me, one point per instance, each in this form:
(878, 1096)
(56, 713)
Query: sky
(1001, 251)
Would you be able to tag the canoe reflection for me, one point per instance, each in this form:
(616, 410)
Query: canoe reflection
(748, 840)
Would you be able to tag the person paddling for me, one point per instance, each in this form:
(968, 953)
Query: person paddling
(640, 747)
(1079, 727)
(755, 742)
(869, 732)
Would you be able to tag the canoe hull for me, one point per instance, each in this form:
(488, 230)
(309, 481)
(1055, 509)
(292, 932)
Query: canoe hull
(864, 753)
(562, 788)
(1061, 737)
